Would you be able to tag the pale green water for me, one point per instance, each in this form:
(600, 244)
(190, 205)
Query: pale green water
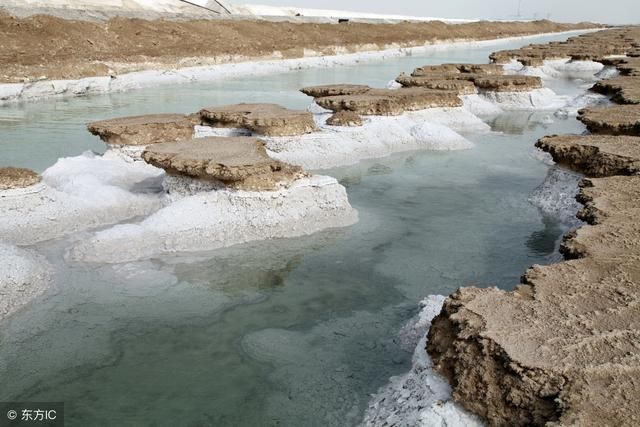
(295, 332)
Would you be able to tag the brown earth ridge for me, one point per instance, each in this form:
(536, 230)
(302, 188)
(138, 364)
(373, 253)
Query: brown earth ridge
(13, 178)
(77, 49)
(563, 348)
(238, 162)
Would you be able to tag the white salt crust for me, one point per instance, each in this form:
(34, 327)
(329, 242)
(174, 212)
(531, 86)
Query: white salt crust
(420, 397)
(558, 69)
(78, 193)
(24, 275)
(379, 136)
(215, 219)
(556, 196)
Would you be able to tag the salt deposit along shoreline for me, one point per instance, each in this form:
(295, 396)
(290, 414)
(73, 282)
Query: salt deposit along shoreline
(562, 348)
(24, 276)
(401, 119)
(174, 194)
(231, 67)
(246, 182)
(420, 397)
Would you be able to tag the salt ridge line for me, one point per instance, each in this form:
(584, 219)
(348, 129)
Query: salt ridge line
(561, 348)
(431, 129)
(221, 218)
(422, 397)
(173, 228)
(33, 91)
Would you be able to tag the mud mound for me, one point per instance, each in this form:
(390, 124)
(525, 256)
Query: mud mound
(263, 119)
(595, 155)
(240, 162)
(617, 120)
(144, 130)
(11, 178)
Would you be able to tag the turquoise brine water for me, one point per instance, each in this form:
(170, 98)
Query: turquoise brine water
(295, 332)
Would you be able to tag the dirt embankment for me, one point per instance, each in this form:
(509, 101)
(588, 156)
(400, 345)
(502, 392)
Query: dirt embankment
(564, 347)
(47, 47)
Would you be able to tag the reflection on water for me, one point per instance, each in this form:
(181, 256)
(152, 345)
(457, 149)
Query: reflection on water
(287, 332)
(519, 122)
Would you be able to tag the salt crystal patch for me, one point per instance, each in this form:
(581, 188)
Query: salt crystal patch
(537, 99)
(79, 193)
(24, 275)
(379, 136)
(556, 196)
(215, 219)
(420, 397)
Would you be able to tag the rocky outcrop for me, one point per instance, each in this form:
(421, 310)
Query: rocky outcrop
(611, 205)
(508, 83)
(144, 130)
(480, 69)
(388, 102)
(562, 347)
(586, 47)
(465, 78)
(460, 86)
(13, 178)
(263, 119)
(595, 155)
(559, 349)
(615, 120)
(334, 90)
(566, 337)
(345, 118)
(629, 66)
(367, 101)
(236, 162)
(623, 89)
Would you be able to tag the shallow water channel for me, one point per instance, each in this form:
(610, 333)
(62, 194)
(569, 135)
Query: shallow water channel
(295, 332)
